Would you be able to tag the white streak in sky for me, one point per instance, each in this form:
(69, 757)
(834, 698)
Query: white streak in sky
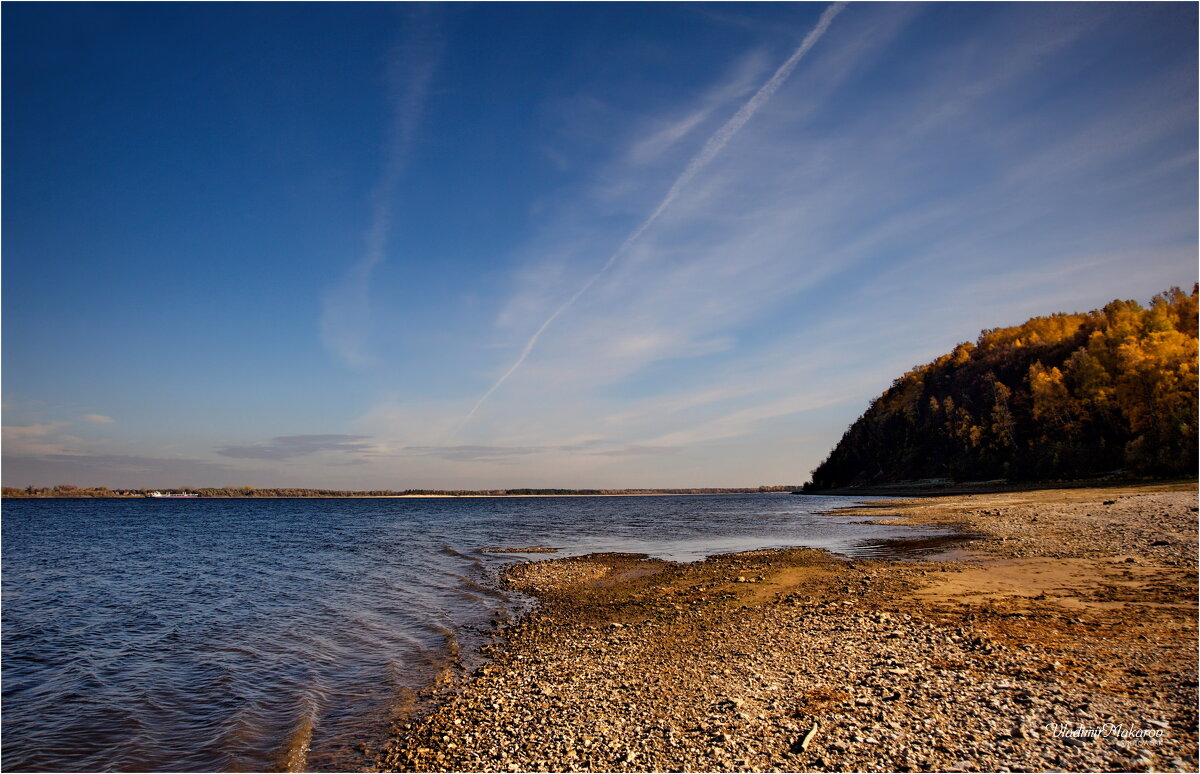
(702, 159)
(346, 310)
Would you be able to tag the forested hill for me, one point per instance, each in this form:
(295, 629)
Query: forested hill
(1064, 396)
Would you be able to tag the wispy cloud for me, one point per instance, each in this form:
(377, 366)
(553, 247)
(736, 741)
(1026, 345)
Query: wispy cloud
(711, 148)
(925, 172)
(116, 470)
(39, 439)
(44, 453)
(468, 453)
(744, 421)
(817, 259)
(598, 448)
(744, 78)
(286, 447)
(346, 315)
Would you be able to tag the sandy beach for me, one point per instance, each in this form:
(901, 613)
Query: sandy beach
(1062, 638)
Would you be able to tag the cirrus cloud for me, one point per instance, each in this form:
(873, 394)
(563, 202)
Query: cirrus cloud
(286, 447)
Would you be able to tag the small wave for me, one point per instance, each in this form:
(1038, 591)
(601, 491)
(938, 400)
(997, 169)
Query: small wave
(479, 588)
(460, 555)
(450, 642)
(294, 754)
(404, 703)
(256, 634)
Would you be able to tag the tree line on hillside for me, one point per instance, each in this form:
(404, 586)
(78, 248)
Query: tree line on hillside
(68, 490)
(1064, 396)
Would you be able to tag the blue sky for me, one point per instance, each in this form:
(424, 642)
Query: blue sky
(575, 245)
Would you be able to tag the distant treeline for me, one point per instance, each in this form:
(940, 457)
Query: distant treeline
(67, 490)
(1064, 396)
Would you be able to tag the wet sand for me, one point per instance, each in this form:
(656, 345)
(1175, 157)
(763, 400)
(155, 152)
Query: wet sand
(1063, 637)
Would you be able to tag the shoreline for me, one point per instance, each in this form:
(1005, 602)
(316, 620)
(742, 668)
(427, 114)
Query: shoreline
(901, 490)
(612, 494)
(911, 489)
(403, 497)
(1072, 622)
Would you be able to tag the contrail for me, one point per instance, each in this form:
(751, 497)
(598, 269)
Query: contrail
(710, 150)
(410, 73)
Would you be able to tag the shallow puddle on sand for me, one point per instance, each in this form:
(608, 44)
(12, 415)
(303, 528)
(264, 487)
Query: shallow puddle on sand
(940, 548)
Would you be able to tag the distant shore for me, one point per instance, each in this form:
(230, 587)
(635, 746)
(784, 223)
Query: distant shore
(1063, 637)
(928, 488)
(205, 493)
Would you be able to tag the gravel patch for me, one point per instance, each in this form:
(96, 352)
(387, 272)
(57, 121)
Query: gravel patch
(1064, 640)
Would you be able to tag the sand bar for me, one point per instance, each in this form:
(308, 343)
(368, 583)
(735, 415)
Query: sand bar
(1065, 639)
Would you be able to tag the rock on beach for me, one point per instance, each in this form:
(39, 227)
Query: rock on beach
(1029, 652)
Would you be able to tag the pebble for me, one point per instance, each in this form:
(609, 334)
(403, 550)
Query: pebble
(710, 677)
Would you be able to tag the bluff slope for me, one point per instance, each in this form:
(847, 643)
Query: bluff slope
(1064, 396)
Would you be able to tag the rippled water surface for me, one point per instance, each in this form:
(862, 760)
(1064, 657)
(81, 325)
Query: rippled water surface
(185, 635)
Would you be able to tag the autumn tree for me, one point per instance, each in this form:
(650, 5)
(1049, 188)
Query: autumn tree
(1066, 395)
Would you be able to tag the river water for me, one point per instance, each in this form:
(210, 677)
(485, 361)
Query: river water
(276, 634)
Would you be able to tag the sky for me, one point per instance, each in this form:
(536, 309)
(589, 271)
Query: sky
(570, 245)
